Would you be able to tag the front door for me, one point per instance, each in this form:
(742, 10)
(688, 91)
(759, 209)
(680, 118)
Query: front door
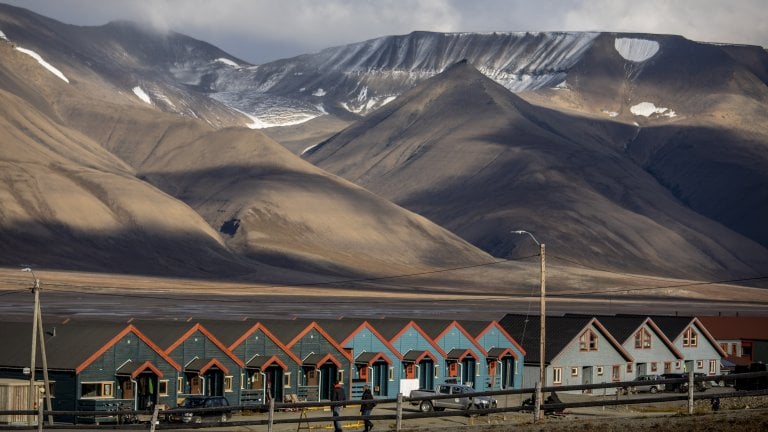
(380, 378)
(215, 380)
(427, 374)
(328, 374)
(507, 372)
(274, 382)
(468, 371)
(586, 377)
(146, 390)
(641, 369)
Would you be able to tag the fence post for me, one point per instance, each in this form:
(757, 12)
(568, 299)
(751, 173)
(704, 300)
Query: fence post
(154, 421)
(40, 415)
(690, 392)
(271, 418)
(399, 411)
(537, 402)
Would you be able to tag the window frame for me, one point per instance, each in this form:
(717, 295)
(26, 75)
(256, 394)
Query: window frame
(588, 341)
(160, 384)
(106, 389)
(229, 384)
(690, 338)
(557, 375)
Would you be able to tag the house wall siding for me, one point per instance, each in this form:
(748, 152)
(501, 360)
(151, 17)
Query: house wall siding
(494, 338)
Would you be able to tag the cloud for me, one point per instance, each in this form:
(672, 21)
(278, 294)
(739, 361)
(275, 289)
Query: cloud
(264, 30)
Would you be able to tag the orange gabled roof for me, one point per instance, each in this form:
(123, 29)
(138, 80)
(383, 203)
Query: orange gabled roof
(503, 332)
(466, 334)
(130, 328)
(422, 333)
(273, 338)
(316, 326)
(211, 337)
(368, 325)
(144, 366)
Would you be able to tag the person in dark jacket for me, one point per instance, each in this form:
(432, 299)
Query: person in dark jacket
(367, 407)
(338, 395)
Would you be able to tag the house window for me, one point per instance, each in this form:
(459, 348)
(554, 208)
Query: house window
(557, 375)
(667, 367)
(340, 376)
(574, 371)
(678, 364)
(616, 373)
(228, 383)
(713, 367)
(162, 387)
(437, 375)
(690, 338)
(724, 347)
(599, 371)
(699, 364)
(90, 390)
(643, 339)
(287, 380)
(654, 367)
(588, 341)
(734, 350)
(629, 368)
(392, 373)
(180, 385)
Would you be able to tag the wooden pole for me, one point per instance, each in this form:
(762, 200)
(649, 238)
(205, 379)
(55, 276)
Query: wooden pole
(45, 363)
(543, 329)
(33, 354)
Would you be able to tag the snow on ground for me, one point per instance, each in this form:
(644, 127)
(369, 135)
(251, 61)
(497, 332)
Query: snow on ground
(636, 50)
(310, 148)
(2, 35)
(228, 62)
(138, 91)
(647, 109)
(611, 113)
(43, 63)
(319, 92)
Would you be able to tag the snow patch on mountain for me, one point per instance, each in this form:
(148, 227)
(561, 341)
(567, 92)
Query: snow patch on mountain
(43, 63)
(636, 50)
(138, 91)
(2, 35)
(647, 109)
(319, 92)
(228, 62)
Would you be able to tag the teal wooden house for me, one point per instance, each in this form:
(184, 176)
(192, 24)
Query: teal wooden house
(503, 356)
(208, 367)
(93, 366)
(421, 357)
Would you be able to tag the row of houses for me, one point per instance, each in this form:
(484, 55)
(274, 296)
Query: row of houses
(93, 364)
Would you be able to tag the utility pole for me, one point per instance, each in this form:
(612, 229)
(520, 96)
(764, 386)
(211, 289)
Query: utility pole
(542, 323)
(37, 329)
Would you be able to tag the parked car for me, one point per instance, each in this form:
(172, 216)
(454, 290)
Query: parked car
(462, 400)
(682, 386)
(647, 383)
(214, 408)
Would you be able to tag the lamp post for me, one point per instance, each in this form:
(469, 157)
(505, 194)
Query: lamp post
(542, 322)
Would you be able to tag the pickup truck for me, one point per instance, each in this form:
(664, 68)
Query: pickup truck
(462, 400)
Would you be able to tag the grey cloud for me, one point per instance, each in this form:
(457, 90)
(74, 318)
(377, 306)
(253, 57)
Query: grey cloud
(264, 30)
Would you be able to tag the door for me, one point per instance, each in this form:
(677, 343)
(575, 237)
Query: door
(274, 382)
(380, 378)
(508, 372)
(146, 390)
(586, 377)
(196, 385)
(641, 369)
(127, 387)
(427, 374)
(215, 380)
(468, 371)
(328, 374)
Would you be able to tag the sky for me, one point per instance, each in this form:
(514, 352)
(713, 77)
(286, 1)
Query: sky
(259, 31)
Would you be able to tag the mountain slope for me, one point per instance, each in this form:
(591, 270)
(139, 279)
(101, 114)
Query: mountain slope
(256, 205)
(466, 153)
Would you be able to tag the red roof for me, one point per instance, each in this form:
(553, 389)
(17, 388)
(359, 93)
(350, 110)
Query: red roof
(736, 328)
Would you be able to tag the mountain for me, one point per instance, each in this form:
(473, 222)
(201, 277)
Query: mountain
(631, 152)
(470, 155)
(98, 179)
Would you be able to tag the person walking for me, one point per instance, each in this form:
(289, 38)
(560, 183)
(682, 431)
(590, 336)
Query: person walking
(338, 395)
(367, 407)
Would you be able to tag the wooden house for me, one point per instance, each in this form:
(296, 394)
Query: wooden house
(270, 368)
(504, 357)
(578, 350)
(464, 359)
(93, 365)
(323, 362)
(702, 353)
(744, 339)
(208, 367)
(653, 352)
(421, 356)
(376, 361)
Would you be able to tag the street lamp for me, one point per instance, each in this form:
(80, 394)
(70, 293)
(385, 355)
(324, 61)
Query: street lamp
(542, 321)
